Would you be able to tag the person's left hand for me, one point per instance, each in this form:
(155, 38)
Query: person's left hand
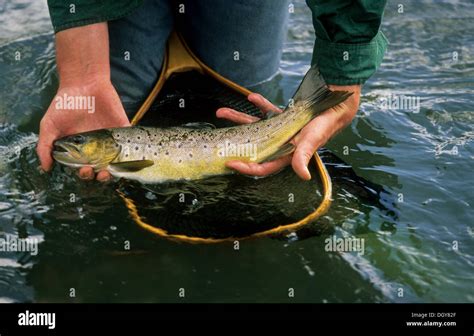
(314, 135)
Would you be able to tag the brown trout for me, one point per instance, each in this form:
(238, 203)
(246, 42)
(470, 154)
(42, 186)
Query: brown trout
(153, 155)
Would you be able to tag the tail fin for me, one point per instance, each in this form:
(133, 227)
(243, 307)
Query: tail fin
(314, 94)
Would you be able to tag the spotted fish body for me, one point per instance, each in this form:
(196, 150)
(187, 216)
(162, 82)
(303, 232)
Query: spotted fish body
(181, 153)
(153, 155)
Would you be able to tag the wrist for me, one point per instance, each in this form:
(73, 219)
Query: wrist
(89, 84)
(82, 55)
(93, 76)
(354, 100)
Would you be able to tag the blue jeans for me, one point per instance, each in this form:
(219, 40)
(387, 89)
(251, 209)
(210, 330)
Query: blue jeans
(214, 29)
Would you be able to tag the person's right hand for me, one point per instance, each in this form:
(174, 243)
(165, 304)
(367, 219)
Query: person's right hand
(57, 123)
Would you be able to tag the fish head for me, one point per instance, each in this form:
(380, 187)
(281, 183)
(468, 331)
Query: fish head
(95, 149)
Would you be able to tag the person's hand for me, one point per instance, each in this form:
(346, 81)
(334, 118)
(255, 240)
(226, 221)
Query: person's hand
(83, 63)
(58, 122)
(314, 135)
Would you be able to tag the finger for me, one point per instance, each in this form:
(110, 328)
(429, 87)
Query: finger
(259, 169)
(103, 176)
(45, 147)
(86, 173)
(262, 103)
(303, 154)
(235, 116)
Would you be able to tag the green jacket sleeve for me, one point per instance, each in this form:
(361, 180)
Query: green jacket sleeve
(349, 46)
(68, 14)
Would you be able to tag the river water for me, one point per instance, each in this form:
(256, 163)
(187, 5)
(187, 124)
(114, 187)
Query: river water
(418, 232)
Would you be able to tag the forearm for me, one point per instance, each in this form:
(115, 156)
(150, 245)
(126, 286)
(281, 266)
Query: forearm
(82, 55)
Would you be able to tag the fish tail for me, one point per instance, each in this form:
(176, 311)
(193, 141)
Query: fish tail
(315, 96)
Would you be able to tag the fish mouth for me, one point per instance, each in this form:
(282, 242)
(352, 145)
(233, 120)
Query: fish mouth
(60, 148)
(67, 154)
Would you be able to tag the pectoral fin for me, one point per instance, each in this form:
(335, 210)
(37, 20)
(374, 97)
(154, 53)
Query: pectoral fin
(285, 149)
(131, 166)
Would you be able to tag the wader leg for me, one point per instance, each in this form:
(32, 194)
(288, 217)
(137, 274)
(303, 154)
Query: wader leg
(137, 47)
(242, 40)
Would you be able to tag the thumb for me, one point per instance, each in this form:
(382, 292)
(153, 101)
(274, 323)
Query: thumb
(303, 154)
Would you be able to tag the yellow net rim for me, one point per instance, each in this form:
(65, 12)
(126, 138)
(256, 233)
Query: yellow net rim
(179, 58)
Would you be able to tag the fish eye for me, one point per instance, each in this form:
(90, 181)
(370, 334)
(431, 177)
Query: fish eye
(78, 139)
